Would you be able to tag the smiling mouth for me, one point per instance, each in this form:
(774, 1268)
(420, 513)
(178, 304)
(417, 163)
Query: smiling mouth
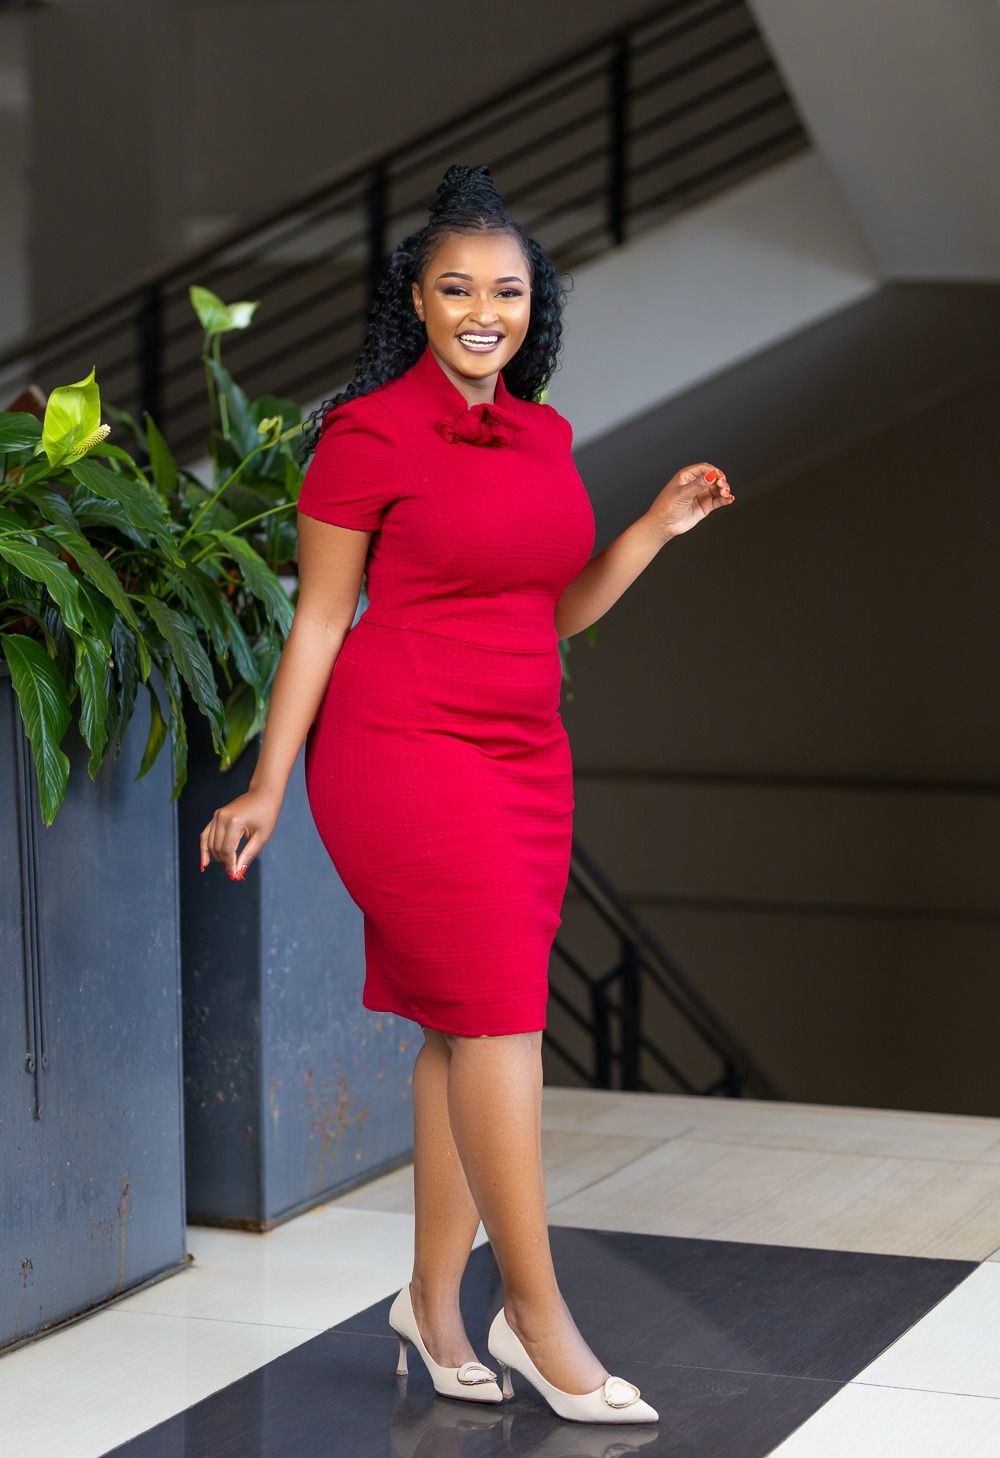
(479, 343)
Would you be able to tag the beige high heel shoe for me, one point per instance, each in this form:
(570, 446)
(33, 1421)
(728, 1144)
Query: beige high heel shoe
(471, 1380)
(615, 1401)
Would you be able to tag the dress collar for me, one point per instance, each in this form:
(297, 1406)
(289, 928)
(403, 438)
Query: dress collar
(485, 423)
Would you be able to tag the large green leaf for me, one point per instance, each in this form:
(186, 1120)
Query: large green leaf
(242, 713)
(14, 521)
(91, 662)
(19, 430)
(178, 728)
(259, 579)
(161, 461)
(96, 568)
(43, 566)
(99, 613)
(203, 598)
(243, 654)
(157, 734)
(37, 470)
(188, 655)
(141, 505)
(91, 510)
(242, 427)
(116, 453)
(53, 506)
(126, 665)
(44, 706)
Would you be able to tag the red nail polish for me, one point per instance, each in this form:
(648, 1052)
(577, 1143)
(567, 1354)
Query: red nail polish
(710, 475)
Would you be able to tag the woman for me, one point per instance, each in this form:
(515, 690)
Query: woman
(437, 767)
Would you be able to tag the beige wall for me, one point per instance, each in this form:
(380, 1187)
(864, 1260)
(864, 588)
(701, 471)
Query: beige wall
(787, 755)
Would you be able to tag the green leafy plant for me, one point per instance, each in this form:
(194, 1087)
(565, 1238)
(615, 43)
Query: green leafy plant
(109, 566)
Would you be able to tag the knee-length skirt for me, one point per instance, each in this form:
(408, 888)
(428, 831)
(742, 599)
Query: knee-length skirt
(439, 776)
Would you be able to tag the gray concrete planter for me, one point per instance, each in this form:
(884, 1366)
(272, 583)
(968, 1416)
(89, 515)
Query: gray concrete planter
(92, 1199)
(294, 1092)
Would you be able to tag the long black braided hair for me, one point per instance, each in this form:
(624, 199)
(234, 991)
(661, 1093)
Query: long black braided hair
(466, 201)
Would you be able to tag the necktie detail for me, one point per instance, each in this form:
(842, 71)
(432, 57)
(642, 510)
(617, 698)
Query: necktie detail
(482, 424)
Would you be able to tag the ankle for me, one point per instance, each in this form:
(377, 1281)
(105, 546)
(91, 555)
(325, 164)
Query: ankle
(435, 1296)
(535, 1316)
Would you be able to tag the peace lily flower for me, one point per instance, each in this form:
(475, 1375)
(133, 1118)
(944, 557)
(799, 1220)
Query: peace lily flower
(215, 316)
(94, 438)
(72, 424)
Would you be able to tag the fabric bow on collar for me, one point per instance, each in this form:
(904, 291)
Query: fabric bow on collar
(482, 424)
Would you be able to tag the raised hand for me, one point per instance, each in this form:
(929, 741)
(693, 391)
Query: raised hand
(689, 496)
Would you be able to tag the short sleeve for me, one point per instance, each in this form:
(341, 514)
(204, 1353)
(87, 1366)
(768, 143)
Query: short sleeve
(357, 466)
(564, 426)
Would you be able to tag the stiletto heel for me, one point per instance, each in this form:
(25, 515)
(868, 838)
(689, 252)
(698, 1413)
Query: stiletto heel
(472, 1380)
(508, 1386)
(615, 1401)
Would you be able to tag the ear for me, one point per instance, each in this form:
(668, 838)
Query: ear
(417, 300)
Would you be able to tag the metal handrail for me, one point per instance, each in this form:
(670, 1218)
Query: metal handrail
(614, 135)
(615, 1033)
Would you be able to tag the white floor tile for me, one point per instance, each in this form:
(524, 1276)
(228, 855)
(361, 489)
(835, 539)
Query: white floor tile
(889, 1422)
(571, 1160)
(954, 1348)
(726, 1191)
(78, 1392)
(895, 1133)
(312, 1272)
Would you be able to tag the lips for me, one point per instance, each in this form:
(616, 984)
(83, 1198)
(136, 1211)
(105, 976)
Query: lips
(494, 343)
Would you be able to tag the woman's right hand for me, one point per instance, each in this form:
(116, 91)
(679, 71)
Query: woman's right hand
(253, 814)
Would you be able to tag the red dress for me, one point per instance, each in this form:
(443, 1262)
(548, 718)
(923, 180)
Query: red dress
(438, 770)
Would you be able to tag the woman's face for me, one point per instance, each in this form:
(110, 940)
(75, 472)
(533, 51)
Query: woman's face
(475, 284)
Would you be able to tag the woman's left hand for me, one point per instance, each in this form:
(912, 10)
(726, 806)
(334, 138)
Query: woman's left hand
(688, 497)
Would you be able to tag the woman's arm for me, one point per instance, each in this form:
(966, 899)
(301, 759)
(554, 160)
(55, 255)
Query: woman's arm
(688, 497)
(601, 582)
(331, 560)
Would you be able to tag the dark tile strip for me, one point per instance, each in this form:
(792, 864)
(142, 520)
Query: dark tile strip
(735, 1344)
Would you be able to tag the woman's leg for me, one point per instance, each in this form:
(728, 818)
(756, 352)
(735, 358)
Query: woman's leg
(446, 1218)
(495, 1101)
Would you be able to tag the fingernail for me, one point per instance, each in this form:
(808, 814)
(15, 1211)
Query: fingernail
(710, 475)
(241, 873)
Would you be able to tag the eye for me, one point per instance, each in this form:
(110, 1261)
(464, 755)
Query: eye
(457, 289)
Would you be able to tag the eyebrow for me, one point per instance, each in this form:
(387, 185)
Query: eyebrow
(508, 278)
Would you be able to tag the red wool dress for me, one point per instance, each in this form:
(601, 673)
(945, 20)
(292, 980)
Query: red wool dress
(438, 770)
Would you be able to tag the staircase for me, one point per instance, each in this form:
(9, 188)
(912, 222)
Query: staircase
(609, 141)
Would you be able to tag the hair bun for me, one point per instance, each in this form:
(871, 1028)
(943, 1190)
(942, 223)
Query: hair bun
(465, 186)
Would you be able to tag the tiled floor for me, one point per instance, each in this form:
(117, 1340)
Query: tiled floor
(778, 1278)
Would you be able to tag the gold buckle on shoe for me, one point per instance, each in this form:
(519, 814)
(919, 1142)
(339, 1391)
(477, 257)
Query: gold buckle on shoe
(470, 1381)
(618, 1386)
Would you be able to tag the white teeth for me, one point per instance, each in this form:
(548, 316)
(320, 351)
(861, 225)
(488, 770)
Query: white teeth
(481, 338)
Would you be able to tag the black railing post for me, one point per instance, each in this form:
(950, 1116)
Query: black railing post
(602, 1035)
(149, 348)
(378, 189)
(630, 975)
(618, 84)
